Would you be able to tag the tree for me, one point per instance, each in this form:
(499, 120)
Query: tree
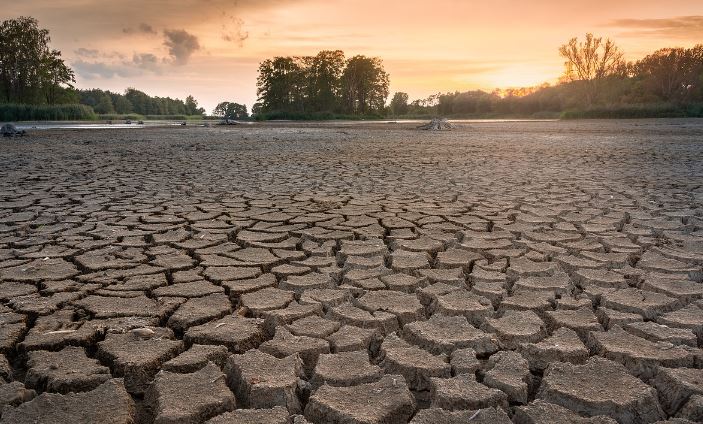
(120, 103)
(30, 72)
(364, 85)
(231, 110)
(281, 84)
(104, 105)
(672, 74)
(324, 77)
(220, 109)
(192, 107)
(590, 62)
(399, 104)
(256, 109)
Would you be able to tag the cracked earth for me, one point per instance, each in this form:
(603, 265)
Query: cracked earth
(539, 272)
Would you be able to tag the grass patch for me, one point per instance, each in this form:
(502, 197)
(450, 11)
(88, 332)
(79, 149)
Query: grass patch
(68, 112)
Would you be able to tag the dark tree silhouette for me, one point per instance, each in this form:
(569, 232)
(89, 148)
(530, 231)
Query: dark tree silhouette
(590, 62)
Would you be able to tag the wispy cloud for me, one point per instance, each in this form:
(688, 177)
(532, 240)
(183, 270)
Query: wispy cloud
(98, 65)
(683, 27)
(181, 45)
(96, 70)
(147, 61)
(233, 31)
(142, 28)
(89, 53)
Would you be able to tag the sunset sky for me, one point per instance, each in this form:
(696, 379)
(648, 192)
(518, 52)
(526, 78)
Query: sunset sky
(211, 48)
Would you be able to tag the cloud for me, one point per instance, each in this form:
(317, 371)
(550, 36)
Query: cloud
(140, 64)
(87, 53)
(181, 45)
(90, 53)
(685, 27)
(143, 28)
(147, 61)
(234, 31)
(93, 70)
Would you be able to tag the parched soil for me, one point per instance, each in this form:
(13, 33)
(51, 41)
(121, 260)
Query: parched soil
(514, 272)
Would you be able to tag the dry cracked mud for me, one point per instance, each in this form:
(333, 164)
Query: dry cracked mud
(524, 272)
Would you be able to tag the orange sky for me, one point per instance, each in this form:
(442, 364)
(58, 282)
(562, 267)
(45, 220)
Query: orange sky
(211, 48)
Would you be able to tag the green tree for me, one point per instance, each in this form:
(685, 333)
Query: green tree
(281, 84)
(220, 110)
(121, 104)
(364, 85)
(192, 107)
(30, 72)
(104, 105)
(672, 74)
(590, 62)
(399, 104)
(324, 79)
(231, 110)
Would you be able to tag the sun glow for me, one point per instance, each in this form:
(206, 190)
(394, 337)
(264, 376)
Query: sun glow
(521, 76)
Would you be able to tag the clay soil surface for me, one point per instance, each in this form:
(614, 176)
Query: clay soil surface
(501, 272)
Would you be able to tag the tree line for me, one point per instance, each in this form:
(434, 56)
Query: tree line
(597, 82)
(327, 83)
(134, 101)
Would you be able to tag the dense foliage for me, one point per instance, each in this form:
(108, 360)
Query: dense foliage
(30, 72)
(231, 110)
(326, 83)
(136, 102)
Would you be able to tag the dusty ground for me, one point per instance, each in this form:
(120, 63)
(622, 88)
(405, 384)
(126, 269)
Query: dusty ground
(533, 272)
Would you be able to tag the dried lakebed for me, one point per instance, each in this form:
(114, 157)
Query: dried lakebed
(524, 272)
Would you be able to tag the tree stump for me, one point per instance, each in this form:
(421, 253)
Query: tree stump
(437, 124)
